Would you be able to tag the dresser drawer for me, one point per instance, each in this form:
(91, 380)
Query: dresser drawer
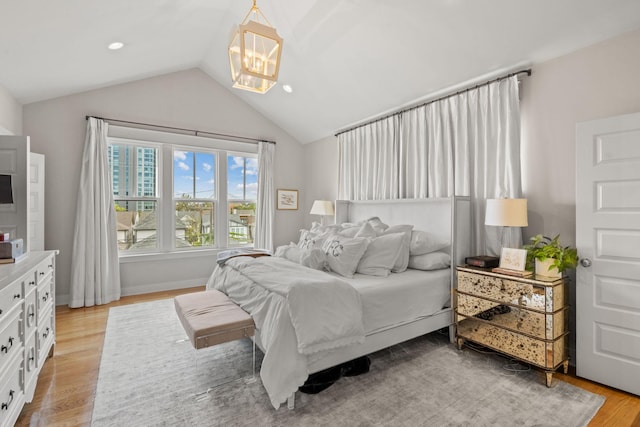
(44, 271)
(45, 296)
(545, 354)
(546, 326)
(542, 298)
(10, 337)
(10, 297)
(11, 392)
(45, 338)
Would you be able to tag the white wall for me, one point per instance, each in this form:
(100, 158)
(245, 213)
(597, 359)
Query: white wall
(10, 114)
(321, 174)
(186, 99)
(596, 82)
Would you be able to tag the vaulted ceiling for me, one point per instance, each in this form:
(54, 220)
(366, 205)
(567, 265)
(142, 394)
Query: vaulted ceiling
(347, 60)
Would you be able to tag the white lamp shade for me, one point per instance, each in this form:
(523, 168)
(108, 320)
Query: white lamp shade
(322, 207)
(506, 212)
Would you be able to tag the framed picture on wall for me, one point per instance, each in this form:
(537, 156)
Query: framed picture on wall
(287, 200)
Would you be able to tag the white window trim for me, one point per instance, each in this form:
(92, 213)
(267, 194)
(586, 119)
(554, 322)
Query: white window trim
(166, 142)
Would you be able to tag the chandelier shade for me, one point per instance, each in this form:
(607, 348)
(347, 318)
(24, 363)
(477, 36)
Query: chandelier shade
(254, 53)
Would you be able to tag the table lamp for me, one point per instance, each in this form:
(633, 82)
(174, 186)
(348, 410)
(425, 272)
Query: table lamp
(322, 208)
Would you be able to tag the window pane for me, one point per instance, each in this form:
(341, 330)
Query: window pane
(242, 223)
(137, 225)
(194, 224)
(134, 170)
(193, 175)
(242, 178)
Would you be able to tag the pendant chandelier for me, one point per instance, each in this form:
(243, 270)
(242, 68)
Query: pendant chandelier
(254, 53)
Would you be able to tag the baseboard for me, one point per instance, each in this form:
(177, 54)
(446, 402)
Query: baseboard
(145, 289)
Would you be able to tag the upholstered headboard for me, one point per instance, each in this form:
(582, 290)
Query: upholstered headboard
(447, 218)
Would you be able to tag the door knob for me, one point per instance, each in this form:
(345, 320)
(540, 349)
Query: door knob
(586, 262)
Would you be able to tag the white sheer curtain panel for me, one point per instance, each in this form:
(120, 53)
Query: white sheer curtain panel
(368, 161)
(95, 269)
(465, 145)
(265, 208)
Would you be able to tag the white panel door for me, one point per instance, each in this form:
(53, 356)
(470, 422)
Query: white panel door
(608, 241)
(14, 158)
(36, 203)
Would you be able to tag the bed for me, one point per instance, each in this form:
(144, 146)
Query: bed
(363, 313)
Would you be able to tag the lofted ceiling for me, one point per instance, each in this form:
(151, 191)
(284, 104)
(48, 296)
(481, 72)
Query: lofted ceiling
(347, 60)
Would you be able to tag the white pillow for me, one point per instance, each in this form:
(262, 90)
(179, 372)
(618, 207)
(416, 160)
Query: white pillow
(344, 253)
(349, 230)
(381, 255)
(312, 258)
(423, 242)
(310, 240)
(403, 258)
(377, 225)
(430, 261)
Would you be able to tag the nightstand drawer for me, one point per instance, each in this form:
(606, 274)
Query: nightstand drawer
(546, 354)
(546, 326)
(547, 298)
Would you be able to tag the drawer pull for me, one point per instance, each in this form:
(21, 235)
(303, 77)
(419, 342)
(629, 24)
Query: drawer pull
(50, 265)
(17, 296)
(45, 297)
(32, 283)
(4, 348)
(5, 405)
(42, 273)
(45, 334)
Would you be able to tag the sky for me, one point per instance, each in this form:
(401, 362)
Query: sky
(202, 172)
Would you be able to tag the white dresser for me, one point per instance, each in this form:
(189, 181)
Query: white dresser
(27, 328)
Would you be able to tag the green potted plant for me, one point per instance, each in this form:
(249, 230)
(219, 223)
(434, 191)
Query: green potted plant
(551, 259)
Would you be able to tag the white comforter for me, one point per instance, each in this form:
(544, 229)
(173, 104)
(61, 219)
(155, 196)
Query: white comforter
(297, 311)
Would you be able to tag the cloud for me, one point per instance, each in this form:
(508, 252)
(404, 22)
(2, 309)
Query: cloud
(206, 167)
(183, 166)
(179, 155)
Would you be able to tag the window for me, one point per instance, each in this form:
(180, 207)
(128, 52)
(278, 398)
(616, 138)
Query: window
(171, 197)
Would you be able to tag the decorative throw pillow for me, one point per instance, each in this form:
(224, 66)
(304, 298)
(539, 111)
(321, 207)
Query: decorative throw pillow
(344, 253)
(403, 258)
(430, 261)
(381, 255)
(423, 242)
(312, 258)
(377, 225)
(310, 240)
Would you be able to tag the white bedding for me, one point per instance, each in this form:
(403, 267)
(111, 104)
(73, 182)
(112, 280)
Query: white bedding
(401, 297)
(385, 302)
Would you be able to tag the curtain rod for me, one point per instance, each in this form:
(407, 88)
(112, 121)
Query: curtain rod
(195, 132)
(404, 110)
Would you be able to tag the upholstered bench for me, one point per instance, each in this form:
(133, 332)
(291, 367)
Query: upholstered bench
(210, 318)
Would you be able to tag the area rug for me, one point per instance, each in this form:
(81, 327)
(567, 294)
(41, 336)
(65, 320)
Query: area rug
(148, 378)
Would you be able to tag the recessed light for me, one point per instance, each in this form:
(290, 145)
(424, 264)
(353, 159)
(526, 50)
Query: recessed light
(116, 45)
(287, 88)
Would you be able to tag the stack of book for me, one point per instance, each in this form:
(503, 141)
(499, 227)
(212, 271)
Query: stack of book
(10, 249)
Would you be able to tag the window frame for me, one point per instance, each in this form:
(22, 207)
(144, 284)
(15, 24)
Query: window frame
(166, 143)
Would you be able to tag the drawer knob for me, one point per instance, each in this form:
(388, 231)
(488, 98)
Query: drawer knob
(5, 405)
(45, 297)
(32, 283)
(4, 348)
(42, 273)
(45, 334)
(17, 296)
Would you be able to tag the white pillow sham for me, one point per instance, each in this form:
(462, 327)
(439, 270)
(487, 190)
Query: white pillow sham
(403, 258)
(423, 242)
(430, 261)
(381, 255)
(312, 258)
(344, 253)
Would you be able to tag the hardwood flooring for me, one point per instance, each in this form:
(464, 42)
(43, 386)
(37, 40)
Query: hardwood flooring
(67, 382)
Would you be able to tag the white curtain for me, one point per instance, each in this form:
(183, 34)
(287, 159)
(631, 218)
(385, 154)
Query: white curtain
(265, 208)
(465, 145)
(95, 269)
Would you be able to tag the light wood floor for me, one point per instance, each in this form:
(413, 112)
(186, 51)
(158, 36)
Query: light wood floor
(67, 383)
